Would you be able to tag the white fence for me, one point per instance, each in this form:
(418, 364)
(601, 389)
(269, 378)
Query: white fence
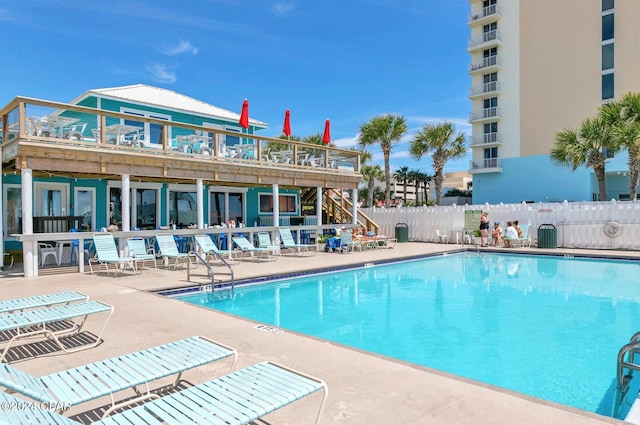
(596, 225)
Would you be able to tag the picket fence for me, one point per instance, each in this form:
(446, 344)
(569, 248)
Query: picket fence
(594, 225)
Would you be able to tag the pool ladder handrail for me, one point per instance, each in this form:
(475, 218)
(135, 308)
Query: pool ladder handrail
(466, 233)
(204, 261)
(626, 361)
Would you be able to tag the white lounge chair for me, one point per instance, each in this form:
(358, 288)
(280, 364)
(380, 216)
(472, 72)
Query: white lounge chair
(138, 250)
(258, 254)
(347, 243)
(169, 250)
(107, 254)
(290, 245)
(264, 241)
(105, 377)
(39, 301)
(32, 323)
(239, 398)
(212, 252)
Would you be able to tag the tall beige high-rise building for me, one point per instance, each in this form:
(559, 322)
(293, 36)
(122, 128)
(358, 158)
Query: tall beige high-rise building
(537, 67)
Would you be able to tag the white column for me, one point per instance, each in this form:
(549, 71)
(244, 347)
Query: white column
(29, 249)
(126, 202)
(354, 205)
(200, 203)
(276, 204)
(319, 205)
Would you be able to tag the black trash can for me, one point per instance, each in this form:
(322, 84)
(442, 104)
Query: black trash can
(402, 232)
(547, 236)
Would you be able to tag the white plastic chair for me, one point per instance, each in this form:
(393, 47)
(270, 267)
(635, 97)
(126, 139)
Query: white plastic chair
(442, 236)
(46, 250)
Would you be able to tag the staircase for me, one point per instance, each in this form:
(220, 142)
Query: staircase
(336, 208)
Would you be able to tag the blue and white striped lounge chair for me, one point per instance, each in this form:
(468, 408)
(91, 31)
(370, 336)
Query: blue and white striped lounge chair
(31, 323)
(169, 249)
(128, 371)
(237, 398)
(254, 253)
(39, 301)
(107, 254)
(290, 245)
(208, 247)
(138, 250)
(347, 243)
(264, 241)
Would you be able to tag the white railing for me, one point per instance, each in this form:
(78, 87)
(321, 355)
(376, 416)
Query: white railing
(492, 112)
(485, 37)
(592, 225)
(485, 163)
(485, 63)
(489, 87)
(483, 139)
(484, 12)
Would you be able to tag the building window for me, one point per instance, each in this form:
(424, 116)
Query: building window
(286, 203)
(183, 208)
(151, 133)
(607, 86)
(607, 27)
(607, 4)
(490, 132)
(491, 157)
(225, 206)
(607, 56)
(12, 210)
(487, 3)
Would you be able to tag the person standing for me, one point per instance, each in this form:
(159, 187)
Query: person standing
(484, 228)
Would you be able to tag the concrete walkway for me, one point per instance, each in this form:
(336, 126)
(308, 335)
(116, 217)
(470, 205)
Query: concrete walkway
(364, 389)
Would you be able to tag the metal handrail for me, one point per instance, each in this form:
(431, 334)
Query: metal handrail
(211, 273)
(467, 232)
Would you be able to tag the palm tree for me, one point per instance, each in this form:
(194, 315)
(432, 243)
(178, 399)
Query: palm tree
(586, 146)
(385, 130)
(370, 174)
(402, 175)
(624, 116)
(422, 181)
(414, 177)
(443, 143)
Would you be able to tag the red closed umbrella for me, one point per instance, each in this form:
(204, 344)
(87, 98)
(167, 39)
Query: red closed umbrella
(326, 136)
(244, 115)
(286, 128)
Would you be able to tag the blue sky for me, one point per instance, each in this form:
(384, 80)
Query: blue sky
(345, 60)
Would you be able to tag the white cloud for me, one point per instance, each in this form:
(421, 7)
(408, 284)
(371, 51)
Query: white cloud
(283, 7)
(182, 47)
(346, 142)
(161, 74)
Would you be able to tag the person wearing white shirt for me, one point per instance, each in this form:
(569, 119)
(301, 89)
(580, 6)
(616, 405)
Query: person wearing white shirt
(509, 234)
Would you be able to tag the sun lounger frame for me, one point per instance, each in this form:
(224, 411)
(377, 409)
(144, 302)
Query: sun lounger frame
(128, 371)
(39, 301)
(34, 323)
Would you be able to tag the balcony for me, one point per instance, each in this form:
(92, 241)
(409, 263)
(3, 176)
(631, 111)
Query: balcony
(490, 64)
(491, 88)
(71, 140)
(487, 114)
(484, 15)
(486, 140)
(485, 40)
(485, 166)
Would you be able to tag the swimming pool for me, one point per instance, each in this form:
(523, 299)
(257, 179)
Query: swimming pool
(549, 327)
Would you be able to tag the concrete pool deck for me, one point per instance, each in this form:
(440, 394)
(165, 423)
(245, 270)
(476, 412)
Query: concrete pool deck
(363, 388)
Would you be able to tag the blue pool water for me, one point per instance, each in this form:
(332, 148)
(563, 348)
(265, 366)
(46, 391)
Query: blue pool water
(549, 327)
